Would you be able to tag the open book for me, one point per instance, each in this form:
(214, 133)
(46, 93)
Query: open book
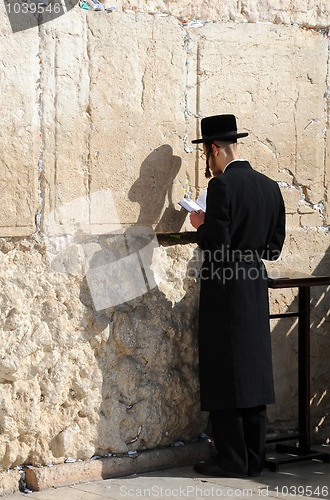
(190, 205)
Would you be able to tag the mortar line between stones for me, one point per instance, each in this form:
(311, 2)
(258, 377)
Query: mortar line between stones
(186, 148)
(38, 214)
(55, 120)
(197, 115)
(327, 124)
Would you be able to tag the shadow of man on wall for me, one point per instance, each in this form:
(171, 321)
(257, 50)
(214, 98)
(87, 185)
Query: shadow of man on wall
(153, 190)
(146, 346)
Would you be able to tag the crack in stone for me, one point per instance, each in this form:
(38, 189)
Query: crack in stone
(89, 33)
(143, 88)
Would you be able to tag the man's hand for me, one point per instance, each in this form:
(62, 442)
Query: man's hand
(197, 218)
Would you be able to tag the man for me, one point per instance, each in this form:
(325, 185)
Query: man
(244, 222)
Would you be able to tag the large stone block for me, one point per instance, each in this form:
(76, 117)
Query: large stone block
(65, 123)
(19, 129)
(266, 75)
(138, 111)
(116, 88)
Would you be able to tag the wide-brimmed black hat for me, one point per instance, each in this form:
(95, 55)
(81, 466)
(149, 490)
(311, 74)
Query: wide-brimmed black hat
(219, 128)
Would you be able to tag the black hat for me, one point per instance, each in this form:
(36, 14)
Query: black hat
(219, 128)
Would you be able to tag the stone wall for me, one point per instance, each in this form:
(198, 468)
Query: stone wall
(98, 111)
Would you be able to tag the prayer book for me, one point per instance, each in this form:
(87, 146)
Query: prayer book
(190, 205)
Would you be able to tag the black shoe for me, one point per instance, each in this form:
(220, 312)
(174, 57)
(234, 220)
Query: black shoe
(210, 468)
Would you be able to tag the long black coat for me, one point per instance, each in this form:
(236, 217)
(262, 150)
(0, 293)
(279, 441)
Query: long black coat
(244, 223)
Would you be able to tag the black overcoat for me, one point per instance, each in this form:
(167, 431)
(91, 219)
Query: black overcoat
(244, 223)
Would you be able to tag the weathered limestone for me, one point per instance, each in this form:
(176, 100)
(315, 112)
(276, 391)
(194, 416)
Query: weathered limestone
(150, 68)
(77, 383)
(64, 88)
(95, 111)
(113, 129)
(81, 472)
(87, 88)
(9, 482)
(19, 130)
(279, 121)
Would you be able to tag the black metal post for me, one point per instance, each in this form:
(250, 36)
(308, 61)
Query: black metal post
(304, 367)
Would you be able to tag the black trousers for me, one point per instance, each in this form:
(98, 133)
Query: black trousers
(239, 437)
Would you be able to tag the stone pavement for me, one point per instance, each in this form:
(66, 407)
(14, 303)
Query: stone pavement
(301, 480)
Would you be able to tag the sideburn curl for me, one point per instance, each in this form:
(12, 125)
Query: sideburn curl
(208, 153)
